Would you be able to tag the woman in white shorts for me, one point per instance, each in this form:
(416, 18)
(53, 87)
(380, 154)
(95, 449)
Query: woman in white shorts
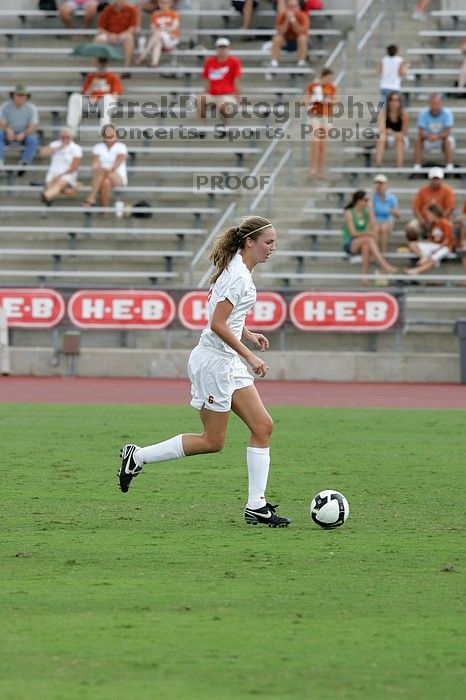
(220, 382)
(108, 168)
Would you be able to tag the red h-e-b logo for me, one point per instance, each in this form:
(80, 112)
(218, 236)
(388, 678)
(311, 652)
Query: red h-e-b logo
(267, 314)
(344, 311)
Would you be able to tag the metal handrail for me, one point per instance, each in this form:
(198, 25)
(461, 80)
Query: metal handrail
(339, 52)
(268, 152)
(273, 175)
(363, 21)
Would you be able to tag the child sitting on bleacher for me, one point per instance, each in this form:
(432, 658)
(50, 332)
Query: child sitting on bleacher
(165, 24)
(436, 192)
(440, 243)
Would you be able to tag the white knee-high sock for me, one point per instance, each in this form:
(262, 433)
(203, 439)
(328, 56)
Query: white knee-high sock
(161, 452)
(258, 459)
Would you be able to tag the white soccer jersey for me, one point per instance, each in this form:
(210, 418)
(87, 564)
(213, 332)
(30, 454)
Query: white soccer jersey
(235, 284)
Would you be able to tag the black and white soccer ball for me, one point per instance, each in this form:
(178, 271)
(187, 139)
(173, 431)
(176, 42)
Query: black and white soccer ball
(329, 509)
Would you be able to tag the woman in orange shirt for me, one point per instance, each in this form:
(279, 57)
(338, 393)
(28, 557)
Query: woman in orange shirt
(320, 98)
(441, 242)
(165, 24)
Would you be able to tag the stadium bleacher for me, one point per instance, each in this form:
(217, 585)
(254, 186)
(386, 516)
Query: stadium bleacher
(36, 51)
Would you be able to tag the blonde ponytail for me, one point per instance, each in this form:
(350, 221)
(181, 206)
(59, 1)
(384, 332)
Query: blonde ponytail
(233, 239)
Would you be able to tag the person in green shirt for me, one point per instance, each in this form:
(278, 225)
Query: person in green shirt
(358, 238)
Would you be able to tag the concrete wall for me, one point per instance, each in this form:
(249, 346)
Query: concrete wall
(337, 366)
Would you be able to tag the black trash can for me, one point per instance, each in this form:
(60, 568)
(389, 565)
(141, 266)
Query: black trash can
(460, 331)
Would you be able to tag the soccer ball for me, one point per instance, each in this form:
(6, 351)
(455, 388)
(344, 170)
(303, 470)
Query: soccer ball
(329, 509)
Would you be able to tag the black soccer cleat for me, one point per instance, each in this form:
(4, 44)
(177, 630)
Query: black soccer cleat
(265, 516)
(128, 468)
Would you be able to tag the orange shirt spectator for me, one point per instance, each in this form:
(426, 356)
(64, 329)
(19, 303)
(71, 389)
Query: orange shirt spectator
(302, 22)
(116, 21)
(103, 83)
(443, 196)
(164, 21)
(320, 108)
(442, 233)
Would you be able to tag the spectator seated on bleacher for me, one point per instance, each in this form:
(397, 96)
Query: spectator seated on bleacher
(69, 7)
(223, 72)
(392, 127)
(435, 124)
(440, 243)
(100, 89)
(165, 25)
(320, 96)
(118, 23)
(434, 193)
(108, 168)
(358, 233)
(292, 27)
(62, 174)
(19, 119)
(391, 69)
(246, 8)
(385, 208)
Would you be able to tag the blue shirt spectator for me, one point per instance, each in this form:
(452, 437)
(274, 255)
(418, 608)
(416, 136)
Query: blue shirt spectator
(435, 122)
(383, 206)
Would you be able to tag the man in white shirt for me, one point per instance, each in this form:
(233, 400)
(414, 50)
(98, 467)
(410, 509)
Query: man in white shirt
(65, 159)
(108, 168)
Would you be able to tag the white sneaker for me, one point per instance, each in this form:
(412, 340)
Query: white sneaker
(302, 63)
(417, 166)
(450, 167)
(419, 17)
(273, 64)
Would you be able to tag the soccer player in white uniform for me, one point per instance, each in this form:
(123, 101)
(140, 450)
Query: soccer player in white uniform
(220, 382)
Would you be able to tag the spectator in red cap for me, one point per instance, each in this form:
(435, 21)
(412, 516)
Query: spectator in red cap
(440, 243)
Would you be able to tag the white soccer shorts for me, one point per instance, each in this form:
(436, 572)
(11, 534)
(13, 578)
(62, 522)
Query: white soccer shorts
(214, 378)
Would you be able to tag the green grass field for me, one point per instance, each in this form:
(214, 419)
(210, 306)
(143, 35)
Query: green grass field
(165, 593)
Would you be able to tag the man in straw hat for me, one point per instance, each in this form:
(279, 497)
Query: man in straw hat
(19, 120)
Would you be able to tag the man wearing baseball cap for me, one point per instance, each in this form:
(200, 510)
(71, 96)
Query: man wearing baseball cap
(222, 72)
(436, 192)
(19, 120)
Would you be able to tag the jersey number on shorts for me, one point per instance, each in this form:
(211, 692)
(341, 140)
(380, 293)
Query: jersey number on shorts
(210, 399)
